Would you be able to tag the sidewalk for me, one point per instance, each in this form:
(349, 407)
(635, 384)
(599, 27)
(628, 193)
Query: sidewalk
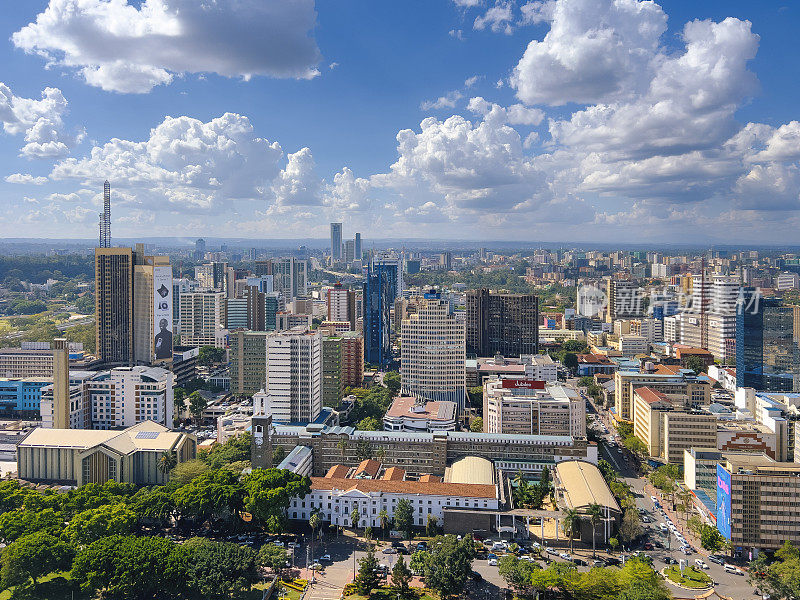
(678, 519)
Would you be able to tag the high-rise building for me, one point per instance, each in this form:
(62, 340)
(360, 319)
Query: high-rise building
(391, 268)
(152, 309)
(377, 302)
(767, 353)
(289, 277)
(352, 359)
(432, 353)
(342, 305)
(202, 319)
(113, 276)
(623, 300)
(105, 217)
(349, 252)
(236, 314)
(248, 360)
(357, 247)
(507, 324)
(336, 242)
(332, 386)
(199, 249)
(293, 391)
(61, 392)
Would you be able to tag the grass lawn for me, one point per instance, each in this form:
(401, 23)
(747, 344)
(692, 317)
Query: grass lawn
(692, 577)
(388, 593)
(55, 586)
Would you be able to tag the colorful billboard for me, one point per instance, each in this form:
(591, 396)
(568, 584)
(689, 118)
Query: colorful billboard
(724, 502)
(162, 312)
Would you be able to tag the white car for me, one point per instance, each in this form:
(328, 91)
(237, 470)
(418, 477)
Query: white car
(537, 545)
(278, 543)
(654, 499)
(325, 557)
(551, 551)
(389, 551)
(565, 556)
(700, 563)
(492, 562)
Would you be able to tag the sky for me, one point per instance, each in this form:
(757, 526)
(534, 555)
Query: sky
(554, 120)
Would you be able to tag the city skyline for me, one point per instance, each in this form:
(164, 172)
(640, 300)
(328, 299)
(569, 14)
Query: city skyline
(673, 123)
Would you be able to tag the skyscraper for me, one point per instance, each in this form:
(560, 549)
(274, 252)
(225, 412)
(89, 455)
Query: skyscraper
(767, 354)
(392, 267)
(199, 249)
(113, 276)
(377, 301)
(358, 247)
(336, 242)
(289, 277)
(342, 305)
(152, 308)
(105, 217)
(433, 355)
(504, 323)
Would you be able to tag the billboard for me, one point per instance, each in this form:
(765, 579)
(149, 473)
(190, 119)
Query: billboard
(724, 502)
(524, 384)
(162, 312)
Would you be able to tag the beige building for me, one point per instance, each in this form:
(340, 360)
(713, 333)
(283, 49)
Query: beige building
(77, 457)
(669, 382)
(578, 485)
(202, 317)
(150, 273)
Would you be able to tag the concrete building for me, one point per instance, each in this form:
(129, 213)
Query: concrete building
(152, 309)
(113, 276)
(623, 299)
(336, 242)
(590, 365)
(342, 305)
(202, 318)
(578, 486)
(507, 324)
(21, 398)
(248, 361)
(432, 354)
(787, 281)
(293, 391)
(409, 414)
(285, 321)
(352, 359)
(332, 385)
(529, 407)
(698, 389)
(77, 457)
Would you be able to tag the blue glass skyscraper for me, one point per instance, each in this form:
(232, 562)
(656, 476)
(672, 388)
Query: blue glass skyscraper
(378, 298)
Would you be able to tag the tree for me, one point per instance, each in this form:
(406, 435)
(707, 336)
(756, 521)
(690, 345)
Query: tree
(209, 355)
(32, 556)
(104, 521)
(383, 516)
(636, 446)
(355, 518)
(369, 424)
(401, 578)
(419, 560)
(430, 525)
(570, 361)
(274, 558)
(367, 578)
(517, 573)
(179, 400)
(220, 570)
(571, 524)
(711, 539)
(392, 381)
(268, 493)
(475, 396)
(476, 425)
(278, 454)
(184, 472)
(695, 363)
(613, 543)
(197, 404)
(450, 565)
(215, 492)
(631, 527)
(167, 461)
(595, 513)
(404, 517)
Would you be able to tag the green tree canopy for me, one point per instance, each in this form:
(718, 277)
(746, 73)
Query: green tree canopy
(104, 521)
(450, 564)
(268, 493)
(404, 517)
(219, 570)
(32, 556)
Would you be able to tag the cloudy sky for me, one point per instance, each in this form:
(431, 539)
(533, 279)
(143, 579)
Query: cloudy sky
(554, 120)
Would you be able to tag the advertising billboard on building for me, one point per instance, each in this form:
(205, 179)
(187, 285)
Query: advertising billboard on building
(523, 384)
(162, 312)
(724, 502)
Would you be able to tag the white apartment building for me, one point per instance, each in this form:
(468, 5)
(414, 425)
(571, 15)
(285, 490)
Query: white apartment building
(787, 281)
(433, 354)
(540, 366)
(525, 407)
(293, 390)
(119, 398)
(202, 319)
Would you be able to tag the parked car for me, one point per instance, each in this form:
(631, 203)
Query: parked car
(565, 556)
(390, 550)
(716, 559)
(700, 563)
(551, 551)
(325, 558)
(492, 562)
(669, 560)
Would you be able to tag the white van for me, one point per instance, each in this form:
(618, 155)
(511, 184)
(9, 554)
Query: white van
(730, 569)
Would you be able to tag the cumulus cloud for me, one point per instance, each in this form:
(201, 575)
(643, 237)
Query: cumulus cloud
(516, 114)
(131, 47)
(348, 192)
(25, 178)
(449, 100)
(40, 120)
(297, 184)
(498, 18)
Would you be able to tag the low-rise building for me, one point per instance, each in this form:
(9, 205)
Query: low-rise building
(578, 485)
(590, 365)
(77, 457)
(409, 414)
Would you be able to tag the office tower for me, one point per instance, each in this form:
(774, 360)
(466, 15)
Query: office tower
(199, 249)
(336, 242)
(352, 359)
(349, 251)
(767, 354)
(289, 277)
(152, 308)
(113, 277)
(294, 376)
(332, 386)
(180, 286)
(413, 266)
(446, 261)
(259, 308)
(357, 247)
(377, 302)
(248, 360)
(502, 323)
(125, 396)
(202, 319)
(432, 353)
(263, 283)
(219, 274)
(236, 314)
(710, 321)
(342, 305)
(61, 396)
(204, 275)
(105, 217)
(392, 268)
(623, 300)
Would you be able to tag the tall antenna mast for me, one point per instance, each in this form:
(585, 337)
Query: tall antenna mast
(105, 217)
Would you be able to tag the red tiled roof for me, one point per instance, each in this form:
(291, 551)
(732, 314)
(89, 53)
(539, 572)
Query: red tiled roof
(428, 478)
(468, 490)
(651, 396)
(337, 472)
(599, 359)
(369, 467)
(394, 474)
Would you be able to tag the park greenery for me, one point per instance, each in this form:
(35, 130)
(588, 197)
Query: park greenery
(108, 536)
(447, 564)
(692, 577)
(779, 577)
(636, 580)
(372, 403)
(527, 495)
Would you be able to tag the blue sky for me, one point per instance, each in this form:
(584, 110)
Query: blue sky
(563, 120)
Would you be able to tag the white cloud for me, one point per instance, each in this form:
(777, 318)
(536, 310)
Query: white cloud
(595, 51)
(25, 178)
(297, 184)
(333, 65)
(457, 34)
(40, 120)
(516, 114)
(537, 12)
(498, 18)
(348, 192)
(467, 3)
(470, 81)
(131, 48)
(449, 100)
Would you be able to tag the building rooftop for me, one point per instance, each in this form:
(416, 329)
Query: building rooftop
(582, 484)
(595, 359)
(471, 469)
(408, 407)
(430, 488)
(652, 396)
(337, 472)
(368, 467)
(393, 474)
(147, 435)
